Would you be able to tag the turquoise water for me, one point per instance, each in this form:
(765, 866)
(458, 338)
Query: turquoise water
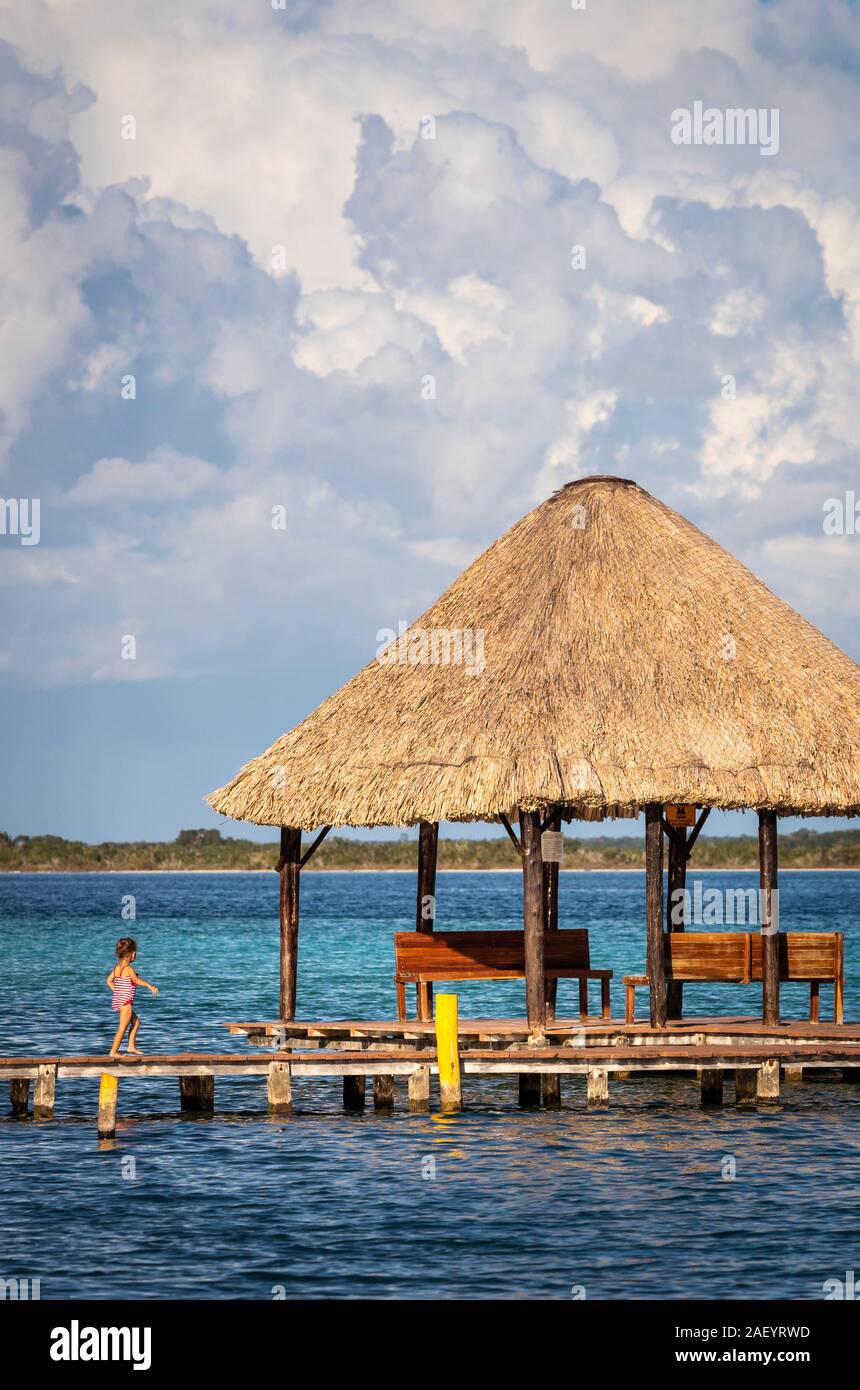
(629, 1202)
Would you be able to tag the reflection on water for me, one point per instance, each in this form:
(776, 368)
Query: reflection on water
(629, 1201)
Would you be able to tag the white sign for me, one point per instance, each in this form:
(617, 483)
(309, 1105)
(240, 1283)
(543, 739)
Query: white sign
(552, 846)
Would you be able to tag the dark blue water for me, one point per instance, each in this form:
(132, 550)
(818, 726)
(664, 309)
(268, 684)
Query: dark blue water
(629, 1202)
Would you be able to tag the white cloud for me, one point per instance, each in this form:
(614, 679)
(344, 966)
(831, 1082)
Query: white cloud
(739, 310)
(168, 476)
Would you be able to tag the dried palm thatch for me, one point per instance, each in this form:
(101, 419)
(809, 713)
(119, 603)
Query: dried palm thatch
(627, 658)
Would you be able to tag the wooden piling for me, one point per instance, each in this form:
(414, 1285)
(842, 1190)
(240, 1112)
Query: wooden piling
(792, 1074)
(528, 1089)
(767, 843)
(598, 1086)
(280, 1088)
(383, 1093)
(533, 923)
(44, 1092)
(19, 1096)
(197, 1093)
(550, 1090)
(712, 1086)
(746, 1085)
(448, 1052)
(354, 1092)
(418, 1086)
(289, 866)
(655, 954)
(767, 1087)
(108, 1093)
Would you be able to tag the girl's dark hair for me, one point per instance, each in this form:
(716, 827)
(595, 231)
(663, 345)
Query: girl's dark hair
(125, 946)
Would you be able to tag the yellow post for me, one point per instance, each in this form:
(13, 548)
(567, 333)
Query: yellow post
(108, 1089)
(448, 1052)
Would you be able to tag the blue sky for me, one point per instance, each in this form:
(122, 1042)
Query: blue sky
(289, 246)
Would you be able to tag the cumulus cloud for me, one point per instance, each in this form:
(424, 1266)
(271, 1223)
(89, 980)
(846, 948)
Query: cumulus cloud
(167, 476)
(399, 272)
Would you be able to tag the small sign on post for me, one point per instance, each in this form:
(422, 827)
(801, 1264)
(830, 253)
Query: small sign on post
(681, 816)
(552, 847)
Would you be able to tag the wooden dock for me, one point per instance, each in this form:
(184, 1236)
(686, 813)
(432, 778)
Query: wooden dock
(512, 1032)
(756, 1057)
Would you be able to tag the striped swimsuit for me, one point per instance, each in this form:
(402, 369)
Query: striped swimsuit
(124, 990)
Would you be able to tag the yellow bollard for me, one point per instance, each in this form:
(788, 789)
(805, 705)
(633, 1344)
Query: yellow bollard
(448, 1052)
(108, 1088)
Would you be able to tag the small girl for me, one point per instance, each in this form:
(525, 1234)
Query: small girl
(124, 982)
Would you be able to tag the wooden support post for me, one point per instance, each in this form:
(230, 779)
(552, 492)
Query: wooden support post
(792, 1074)
(712, 1086)
(289, 866)
(675, 916)
(45, 1092)
(767, 1087)
(197, 1093)
(746, 1085)
(428, 850)
(583, 999)
(280, 1088)
(655, 953)
(448, 1052)
(425, 906)
(550, 910)
(19, 1096)
(533, 926)
(598, 1086)
(550, 1090)
(424, 995)
(767, 845)
(529, 1089)
(383, 1093)
(419, 1089)
(354, 1092)
(108, 1093)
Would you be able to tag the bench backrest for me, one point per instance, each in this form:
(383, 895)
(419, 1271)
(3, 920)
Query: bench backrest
(483, 955)
(705, 955)
(736, 956)
(803, 955)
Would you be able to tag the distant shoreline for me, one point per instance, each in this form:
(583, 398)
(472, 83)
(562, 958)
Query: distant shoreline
(207, 851)
(479, 869)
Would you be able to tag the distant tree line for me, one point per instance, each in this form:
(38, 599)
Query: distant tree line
(209, 849)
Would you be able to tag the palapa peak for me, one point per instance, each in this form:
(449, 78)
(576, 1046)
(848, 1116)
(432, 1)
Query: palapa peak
(602, 654)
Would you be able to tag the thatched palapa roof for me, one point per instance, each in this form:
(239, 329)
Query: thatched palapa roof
(627, 658)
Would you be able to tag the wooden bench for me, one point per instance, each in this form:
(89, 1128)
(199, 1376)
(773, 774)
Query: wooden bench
(421, 958)
(735, 958)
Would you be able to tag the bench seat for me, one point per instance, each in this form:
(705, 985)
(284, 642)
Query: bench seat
(736, 958)
(422, 958)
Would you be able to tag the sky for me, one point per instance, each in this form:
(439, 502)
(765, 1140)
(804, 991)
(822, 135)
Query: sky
(302, 305)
